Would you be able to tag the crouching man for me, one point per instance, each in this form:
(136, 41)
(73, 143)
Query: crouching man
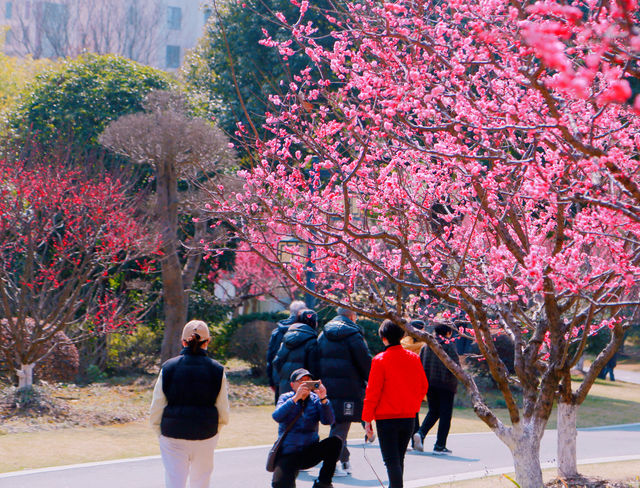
(302, 447)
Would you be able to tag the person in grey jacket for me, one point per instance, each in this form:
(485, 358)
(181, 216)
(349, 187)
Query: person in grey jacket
(442, 389)
(344, 361)
(275, 341)
(298, 349)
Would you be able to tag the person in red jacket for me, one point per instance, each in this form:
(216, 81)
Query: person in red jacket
(397, 385)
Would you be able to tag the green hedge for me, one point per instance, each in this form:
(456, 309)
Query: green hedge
(222, 333)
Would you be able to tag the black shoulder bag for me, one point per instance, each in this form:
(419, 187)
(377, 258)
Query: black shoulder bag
(273, 453)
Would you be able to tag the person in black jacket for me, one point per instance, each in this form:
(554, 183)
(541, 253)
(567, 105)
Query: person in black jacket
(298, 349)
(442, 388)
(344, 362)
(276, 340)
(189, 406)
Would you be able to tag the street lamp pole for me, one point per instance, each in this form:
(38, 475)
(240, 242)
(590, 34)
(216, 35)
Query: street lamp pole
(285, 256)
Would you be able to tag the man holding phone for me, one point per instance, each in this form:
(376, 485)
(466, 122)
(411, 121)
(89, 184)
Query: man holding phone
(307, 405)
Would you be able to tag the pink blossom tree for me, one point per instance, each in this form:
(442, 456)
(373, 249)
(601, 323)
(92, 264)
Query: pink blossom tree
(477, 154)
(61, 238)
(251, 278)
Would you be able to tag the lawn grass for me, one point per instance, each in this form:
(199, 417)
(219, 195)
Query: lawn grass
(619, 471)
(609, 403)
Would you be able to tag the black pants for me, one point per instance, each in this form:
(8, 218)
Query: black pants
(288, 465)
(440, 408)
(394, 436)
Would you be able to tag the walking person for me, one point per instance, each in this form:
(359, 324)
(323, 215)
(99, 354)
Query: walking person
(302, 447)
(299, 349)
(608, 368)
(189, 407)
(344, 362)
(442, 389)
(276, 340)
(397, 384)
(410, 344)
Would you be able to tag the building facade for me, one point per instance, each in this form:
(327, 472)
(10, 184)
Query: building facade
(153, 32)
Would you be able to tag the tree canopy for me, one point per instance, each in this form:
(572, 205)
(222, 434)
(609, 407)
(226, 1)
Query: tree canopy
(62, 236)
(231, 51)
(75, 101)
(474, 155)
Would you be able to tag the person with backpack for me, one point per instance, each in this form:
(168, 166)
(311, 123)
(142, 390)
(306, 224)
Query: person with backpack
(298, 349)
(189, 407)
(344, 362)
(275, 341)
(442, 389)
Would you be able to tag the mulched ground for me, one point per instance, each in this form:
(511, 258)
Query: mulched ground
(59, 406)
(591, 483)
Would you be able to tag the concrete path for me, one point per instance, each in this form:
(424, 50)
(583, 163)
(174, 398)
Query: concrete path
(626, 375)
(474, 455)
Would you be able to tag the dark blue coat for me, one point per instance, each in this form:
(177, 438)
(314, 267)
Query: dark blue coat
(274, 345)
(298, 350)
(344, 361)
(305, 430)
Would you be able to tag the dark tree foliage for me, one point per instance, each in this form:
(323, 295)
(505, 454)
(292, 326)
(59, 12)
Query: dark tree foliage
(233, 34)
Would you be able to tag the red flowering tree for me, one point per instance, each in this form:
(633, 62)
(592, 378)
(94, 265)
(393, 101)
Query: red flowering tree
(61, 237)
(478, 155)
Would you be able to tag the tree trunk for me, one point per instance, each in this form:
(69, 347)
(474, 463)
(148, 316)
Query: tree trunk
(567, 437)
(25, 375)
(175, 298)
(175, 306)
(526, 456)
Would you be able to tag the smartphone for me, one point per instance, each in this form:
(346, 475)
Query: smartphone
(313, 385)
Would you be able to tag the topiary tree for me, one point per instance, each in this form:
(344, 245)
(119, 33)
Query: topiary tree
(73, 103)
(178, 148)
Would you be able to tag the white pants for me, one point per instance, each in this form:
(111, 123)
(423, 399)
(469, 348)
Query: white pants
(182, 458)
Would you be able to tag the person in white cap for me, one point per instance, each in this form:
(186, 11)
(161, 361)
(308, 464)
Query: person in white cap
(189, 407)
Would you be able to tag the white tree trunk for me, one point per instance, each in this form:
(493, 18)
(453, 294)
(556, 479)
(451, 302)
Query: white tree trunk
(567, 437)
(25, 375)
(526, 455)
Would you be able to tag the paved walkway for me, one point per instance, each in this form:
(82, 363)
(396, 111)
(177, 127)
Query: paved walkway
(474, 455)
(626, 376)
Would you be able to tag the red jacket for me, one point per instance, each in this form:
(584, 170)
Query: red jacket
(397, 385)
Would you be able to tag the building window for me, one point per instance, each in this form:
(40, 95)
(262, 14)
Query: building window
(8, 10)
(173, 57)
(207, 15)
(174, 18)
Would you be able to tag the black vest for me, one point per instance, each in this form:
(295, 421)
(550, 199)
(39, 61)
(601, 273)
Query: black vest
(191, 383)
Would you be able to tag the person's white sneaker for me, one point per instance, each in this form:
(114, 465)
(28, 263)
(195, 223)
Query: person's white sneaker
(417, 442)
(339, 472)
(347, 467)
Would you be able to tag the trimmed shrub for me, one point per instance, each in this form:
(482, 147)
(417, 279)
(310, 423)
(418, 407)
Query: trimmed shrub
(222, 334)
(249, 342)
(76, 100)
(505, 348)
(61, 364)
(135, 351)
